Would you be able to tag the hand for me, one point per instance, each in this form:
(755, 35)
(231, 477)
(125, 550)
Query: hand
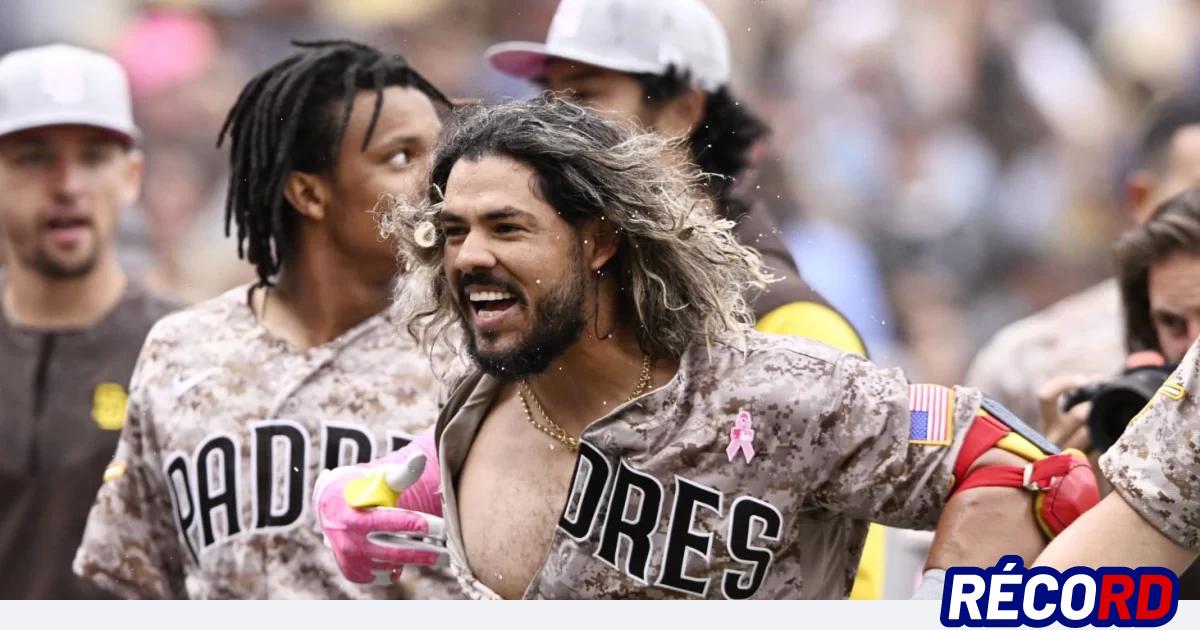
(380, 516)
(1066, 429)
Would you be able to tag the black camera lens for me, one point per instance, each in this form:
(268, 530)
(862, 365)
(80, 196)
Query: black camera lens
(1116, 402)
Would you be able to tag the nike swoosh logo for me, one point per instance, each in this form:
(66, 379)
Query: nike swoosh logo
(180, 386)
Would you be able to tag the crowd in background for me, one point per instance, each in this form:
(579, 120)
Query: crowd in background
(939, 168)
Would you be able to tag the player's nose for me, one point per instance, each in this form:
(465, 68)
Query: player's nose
(474, 254)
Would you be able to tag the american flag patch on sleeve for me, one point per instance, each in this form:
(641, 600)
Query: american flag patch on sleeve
(931, 419)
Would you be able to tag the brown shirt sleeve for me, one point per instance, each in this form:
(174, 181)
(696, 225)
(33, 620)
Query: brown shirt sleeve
(131, 545)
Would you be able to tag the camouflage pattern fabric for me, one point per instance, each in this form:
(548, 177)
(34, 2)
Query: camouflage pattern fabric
(228, 427)
(1155, 466)
(832, 453)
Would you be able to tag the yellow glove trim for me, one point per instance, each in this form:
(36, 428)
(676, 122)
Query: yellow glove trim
(1021, 447)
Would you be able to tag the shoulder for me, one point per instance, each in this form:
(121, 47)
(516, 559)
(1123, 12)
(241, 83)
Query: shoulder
(774, 370)
(149, 304)
(1082, 331)
(750, 348)
(221, 321)
(1074, 317)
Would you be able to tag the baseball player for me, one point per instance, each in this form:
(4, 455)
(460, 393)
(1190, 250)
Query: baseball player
(238, 403)
(1154, 468)
(71, 321)
(666, 67)
(624, 431)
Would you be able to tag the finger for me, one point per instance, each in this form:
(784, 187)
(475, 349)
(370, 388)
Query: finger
(409, 542)
(1050, 392)
(350, 560)
(401, 521)
(393, 556)
(401, 477)
(1080, 440)
(1066, 424)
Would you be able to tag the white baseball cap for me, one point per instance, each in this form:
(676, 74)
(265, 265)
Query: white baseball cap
(636, 36)
(64, 85)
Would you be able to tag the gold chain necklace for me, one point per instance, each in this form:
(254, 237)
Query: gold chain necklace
(552, 428)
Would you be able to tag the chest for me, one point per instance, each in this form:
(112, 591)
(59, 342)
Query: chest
(62, 404)
(512, 488)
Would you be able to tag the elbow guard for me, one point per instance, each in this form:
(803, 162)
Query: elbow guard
(1063, 481)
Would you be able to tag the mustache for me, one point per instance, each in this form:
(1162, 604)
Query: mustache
(468, 279)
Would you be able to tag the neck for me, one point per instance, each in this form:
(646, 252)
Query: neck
(34, 300)
(318, 298)
(593, 377)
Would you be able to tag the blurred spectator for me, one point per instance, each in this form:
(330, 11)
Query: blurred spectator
(1158, 271)
(1082, 333)
(1158, 268)
(71, 323)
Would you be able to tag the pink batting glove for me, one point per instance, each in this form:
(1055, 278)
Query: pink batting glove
(378, 517)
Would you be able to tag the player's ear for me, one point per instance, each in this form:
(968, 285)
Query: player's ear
(606, 242)
(308, 193)
(681, 114)
(135, 166)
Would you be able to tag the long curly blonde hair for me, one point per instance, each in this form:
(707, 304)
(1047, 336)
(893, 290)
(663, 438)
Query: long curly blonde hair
(683, 276)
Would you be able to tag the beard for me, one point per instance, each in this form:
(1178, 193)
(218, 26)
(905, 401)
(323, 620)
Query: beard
(48, 266)
(558, 323)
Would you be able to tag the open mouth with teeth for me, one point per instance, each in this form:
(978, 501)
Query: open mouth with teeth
(491, 304)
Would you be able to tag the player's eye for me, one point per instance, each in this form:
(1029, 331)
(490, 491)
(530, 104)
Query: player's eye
(508, 228)
(401, 158)
(1173, 325)
(33, 157)
(454, 231)
(94, 156)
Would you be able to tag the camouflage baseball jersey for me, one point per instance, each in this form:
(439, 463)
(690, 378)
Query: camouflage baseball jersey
(228, 426)
(1079, 335)
(1155, 466)
(754, 472)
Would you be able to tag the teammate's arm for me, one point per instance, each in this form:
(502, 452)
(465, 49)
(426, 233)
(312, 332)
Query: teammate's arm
(981, 525)
(920, 456)
(1089, 541)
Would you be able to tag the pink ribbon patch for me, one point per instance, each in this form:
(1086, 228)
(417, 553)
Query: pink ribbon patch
(741, 437)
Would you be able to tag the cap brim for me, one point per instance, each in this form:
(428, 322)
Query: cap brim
(123, 131)
(527, 60)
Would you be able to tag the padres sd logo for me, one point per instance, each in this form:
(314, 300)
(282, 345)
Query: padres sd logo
(108, 406)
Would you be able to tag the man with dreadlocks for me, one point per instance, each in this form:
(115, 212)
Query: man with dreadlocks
(237, 404)
(624, 431)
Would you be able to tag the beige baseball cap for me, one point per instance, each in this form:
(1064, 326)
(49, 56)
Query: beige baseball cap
(64, 85)
(635, 36)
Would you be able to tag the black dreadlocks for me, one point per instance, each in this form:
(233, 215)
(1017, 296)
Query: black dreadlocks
(297, 96)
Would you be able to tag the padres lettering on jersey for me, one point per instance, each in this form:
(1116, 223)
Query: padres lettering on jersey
(754, 472)
(595, 483)
(205, 483)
